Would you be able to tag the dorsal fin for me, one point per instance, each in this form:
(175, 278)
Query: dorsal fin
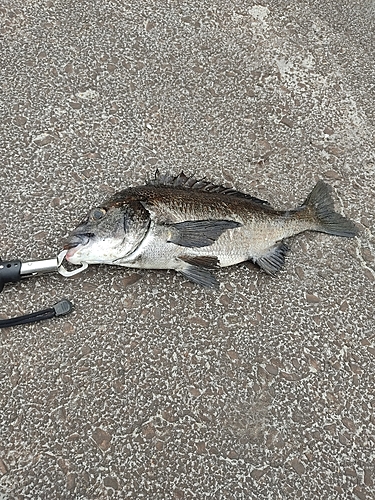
(182, 181)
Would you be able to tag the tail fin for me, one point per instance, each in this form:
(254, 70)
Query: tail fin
(320, 203)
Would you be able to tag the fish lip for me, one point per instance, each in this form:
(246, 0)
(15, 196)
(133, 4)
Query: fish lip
(77, 239)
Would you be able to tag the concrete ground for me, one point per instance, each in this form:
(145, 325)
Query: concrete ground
(155, 388)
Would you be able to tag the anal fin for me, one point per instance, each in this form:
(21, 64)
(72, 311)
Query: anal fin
(274, 259)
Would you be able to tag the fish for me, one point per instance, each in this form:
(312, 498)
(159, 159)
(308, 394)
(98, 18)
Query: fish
(195, 226)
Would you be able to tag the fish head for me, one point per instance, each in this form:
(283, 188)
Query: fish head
(108, 233)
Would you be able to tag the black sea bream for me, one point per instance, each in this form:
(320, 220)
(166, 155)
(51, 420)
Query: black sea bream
(194, 226)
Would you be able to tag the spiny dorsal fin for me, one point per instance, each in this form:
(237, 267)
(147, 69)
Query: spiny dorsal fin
(182, 181)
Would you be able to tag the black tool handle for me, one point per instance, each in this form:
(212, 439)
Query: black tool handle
(10, 272)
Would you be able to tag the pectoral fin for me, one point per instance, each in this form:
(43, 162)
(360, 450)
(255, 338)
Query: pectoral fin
(274, 259)
(200, 233)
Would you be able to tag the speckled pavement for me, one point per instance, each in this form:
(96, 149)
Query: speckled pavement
(154, 388)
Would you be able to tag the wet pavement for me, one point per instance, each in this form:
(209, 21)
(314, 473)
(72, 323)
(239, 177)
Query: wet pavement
(154, 387)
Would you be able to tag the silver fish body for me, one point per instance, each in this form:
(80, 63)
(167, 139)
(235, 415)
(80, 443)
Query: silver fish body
(194, 226)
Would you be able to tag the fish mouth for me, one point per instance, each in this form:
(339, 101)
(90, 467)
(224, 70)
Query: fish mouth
(74, 241)
(77, 239)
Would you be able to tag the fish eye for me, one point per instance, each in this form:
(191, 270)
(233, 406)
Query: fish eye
(97, 214)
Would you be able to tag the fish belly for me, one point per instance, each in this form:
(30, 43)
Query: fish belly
(232, 247)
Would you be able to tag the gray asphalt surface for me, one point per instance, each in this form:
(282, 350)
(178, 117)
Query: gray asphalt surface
(156, 388)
